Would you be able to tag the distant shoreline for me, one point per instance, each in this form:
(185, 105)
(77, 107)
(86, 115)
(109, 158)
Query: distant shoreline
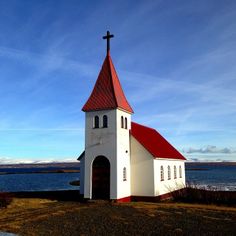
(60, 171)
(69, 164)
(206, 163)
(193, 169)
(40, 168)
(32, 165)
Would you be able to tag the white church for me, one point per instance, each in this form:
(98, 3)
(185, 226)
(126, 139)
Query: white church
(124, 160)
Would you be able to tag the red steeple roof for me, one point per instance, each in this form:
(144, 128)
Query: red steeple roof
(154, 143)
(107, 92)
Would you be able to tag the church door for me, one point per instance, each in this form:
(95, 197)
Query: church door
(101, 178)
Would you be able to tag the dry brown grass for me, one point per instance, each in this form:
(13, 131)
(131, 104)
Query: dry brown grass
(48, 217)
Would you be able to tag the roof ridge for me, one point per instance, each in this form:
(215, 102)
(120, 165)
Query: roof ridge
(109, 68)
(144, 126)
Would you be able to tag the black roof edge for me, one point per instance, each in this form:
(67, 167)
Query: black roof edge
(81, 156)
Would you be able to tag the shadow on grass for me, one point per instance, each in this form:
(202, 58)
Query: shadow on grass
(5, 199)
(190, 194)
(63, 195)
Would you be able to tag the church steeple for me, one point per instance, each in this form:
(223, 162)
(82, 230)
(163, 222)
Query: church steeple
(107, 92)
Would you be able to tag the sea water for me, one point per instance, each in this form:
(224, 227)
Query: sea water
(37, 182)
(219, 176)
(214, 176)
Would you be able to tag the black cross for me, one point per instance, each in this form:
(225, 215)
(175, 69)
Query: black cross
(107, 37)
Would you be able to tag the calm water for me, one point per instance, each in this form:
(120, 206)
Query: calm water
(221, 176)
(37, 182)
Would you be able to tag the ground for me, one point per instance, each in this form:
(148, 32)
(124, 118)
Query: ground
(34, 216)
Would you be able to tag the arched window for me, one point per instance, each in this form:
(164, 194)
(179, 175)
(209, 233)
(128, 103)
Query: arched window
(162, 173)
(180, 171)
(124, 174)
(105, 121)
(96, 122)
(169, 173)
(175, 172)
(122, 122)
(126, 125)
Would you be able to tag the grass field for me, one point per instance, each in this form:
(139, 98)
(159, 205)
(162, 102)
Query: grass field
(34, 216)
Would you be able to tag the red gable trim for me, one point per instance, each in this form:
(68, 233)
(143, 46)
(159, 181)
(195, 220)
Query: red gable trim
(154, 143)
(107, 92)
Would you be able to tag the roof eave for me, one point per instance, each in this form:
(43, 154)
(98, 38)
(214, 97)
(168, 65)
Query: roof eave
(170, 158)
(108, 108)
(82, 155)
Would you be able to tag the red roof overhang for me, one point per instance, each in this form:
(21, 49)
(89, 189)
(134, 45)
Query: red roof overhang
(154, 143)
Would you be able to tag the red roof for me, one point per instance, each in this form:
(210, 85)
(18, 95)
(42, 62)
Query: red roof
(154, 143)
(107, 92)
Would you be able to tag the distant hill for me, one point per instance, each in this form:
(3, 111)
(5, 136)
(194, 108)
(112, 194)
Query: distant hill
(33, 165)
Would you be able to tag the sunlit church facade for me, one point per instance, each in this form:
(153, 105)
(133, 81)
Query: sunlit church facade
(124, 160)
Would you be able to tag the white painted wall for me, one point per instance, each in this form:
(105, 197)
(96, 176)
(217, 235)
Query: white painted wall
(123, 155)
(81, 187)
(99, 141)
(162, 187)
(116, 144)
(111, 142)
(146, 175)
(142, 170)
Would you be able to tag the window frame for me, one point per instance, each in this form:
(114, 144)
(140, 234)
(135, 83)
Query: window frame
(175, 172)
(122, 122)
(169, 172)
(126, 123)
(124, 174)
(105, 121)
(162, 173)
(180, 171)
(96, 122)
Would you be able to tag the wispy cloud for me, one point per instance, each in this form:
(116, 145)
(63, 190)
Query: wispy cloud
(48, 61)
(44, 129)
(210, 149)
(175, 61)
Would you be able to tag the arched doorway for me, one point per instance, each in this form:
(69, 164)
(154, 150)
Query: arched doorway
(101, 178)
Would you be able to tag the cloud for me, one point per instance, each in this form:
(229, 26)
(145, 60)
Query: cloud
(209, 159)
(210, 149)
(5, 161)
(79, 130)
(48, 61)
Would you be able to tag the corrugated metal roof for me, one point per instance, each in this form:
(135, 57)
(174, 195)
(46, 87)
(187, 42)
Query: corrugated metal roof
(107, 92)
(154, 143)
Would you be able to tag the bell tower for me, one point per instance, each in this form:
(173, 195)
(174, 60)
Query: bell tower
(107, 136)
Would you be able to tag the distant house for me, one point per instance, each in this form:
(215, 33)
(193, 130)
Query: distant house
(122, 159)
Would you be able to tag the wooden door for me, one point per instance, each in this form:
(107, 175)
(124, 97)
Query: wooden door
(101, 178)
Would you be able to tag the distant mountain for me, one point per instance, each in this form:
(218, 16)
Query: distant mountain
(13, 161)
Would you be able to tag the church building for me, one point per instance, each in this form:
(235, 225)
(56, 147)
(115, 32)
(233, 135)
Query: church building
(124, 160)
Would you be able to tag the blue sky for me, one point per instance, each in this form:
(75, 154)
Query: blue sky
(176, 61)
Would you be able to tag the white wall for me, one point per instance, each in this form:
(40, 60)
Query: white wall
(100, 142)
(162, 187)
(123, 155)
(142, 170)
(146, 176)
(115, 143)
(111, 142)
